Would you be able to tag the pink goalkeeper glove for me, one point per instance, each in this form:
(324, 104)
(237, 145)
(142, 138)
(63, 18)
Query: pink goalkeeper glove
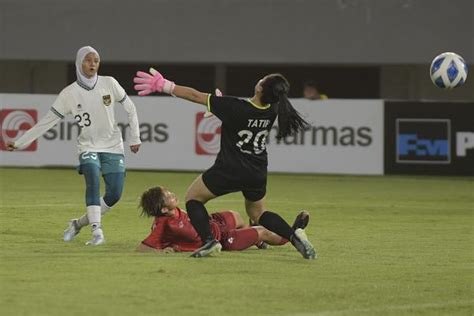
(152, 82)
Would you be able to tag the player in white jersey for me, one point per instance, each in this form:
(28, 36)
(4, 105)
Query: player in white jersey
(91, 100)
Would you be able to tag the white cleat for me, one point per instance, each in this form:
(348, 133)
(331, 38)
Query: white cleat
(71, 231)
(303, 245)
(96, 240)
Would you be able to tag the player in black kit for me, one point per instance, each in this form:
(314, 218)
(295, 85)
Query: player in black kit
(241, 164)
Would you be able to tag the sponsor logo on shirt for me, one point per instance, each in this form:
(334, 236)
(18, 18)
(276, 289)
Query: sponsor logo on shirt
(208, 134)
(107, 100)
(14, 123)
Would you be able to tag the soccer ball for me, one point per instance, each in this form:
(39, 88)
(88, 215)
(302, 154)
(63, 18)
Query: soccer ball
(448, 71)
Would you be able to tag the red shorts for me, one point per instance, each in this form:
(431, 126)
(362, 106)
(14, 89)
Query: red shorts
(232, 238)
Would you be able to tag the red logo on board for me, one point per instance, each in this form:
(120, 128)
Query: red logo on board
(208, 134)
(14, 123)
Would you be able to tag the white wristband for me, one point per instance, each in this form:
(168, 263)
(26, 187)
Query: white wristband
(168, 87)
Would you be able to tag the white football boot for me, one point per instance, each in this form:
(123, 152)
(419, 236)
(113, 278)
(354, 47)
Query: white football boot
(303, 245)
(72, 230)
(97, 237)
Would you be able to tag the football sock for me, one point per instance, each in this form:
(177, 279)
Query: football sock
(104, 208)
(275, 223)
(84, 220)
(93, 214)
(199, 219)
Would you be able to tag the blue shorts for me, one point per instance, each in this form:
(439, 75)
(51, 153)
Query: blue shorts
(106, 162)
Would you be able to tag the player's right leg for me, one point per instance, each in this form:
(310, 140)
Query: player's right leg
(92, 178)
(90, 168)
(275, 223)
(267, 237)
(196, 196)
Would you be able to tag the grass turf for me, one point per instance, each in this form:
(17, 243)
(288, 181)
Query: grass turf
(387, 246)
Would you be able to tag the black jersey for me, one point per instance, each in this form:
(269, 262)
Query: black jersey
(244, 132)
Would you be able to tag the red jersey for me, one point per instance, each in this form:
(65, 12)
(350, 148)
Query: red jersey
(177, 232)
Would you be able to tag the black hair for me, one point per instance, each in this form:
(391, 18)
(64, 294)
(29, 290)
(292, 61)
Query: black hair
(275, 90)
(152, 201)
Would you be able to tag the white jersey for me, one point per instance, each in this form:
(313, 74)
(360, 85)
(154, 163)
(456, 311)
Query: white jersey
(93, 110)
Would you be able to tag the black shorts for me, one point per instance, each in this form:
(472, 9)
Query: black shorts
(220, 181)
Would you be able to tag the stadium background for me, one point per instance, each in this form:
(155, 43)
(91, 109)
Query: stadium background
(352, 48)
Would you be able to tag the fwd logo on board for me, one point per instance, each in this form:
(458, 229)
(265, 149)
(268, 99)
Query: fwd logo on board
(423, 141)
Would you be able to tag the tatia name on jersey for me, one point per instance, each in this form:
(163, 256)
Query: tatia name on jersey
(258, 123)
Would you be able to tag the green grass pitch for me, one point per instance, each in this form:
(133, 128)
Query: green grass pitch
(387, 246)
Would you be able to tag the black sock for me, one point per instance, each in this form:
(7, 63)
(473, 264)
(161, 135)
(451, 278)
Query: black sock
(199, 219)
(273, 222)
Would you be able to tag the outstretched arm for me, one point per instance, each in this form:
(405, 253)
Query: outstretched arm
(48, 121)
(154, 81)
(190, 94)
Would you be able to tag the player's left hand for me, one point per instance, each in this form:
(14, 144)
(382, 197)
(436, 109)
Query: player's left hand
(135, 148)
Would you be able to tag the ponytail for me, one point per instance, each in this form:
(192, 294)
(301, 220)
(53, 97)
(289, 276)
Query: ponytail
(289, 120)
(275, 91)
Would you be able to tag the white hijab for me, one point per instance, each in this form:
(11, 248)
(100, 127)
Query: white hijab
(81, 54)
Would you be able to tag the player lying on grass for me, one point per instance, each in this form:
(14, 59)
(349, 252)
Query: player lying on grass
(172, 230)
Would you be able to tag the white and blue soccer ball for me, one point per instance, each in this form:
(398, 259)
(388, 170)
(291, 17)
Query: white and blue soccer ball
(448, 71)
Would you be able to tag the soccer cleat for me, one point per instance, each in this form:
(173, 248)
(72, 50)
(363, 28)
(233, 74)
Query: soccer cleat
(72, 230)
(208, 248)
(96, 240)
(302, 244)
(301, 220)
(97, 236)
